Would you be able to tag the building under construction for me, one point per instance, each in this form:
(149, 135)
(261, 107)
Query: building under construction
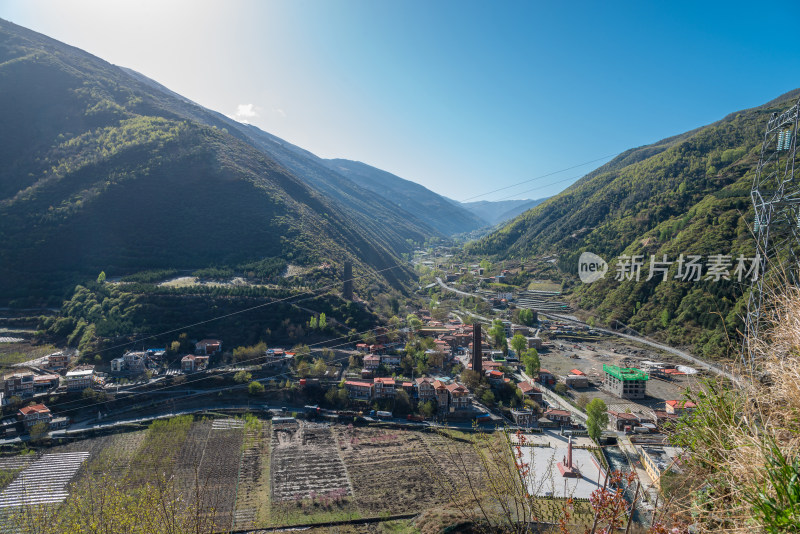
(625, 382)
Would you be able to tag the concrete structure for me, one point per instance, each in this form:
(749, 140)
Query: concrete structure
(42, 383)
(523, 417)
(566, 466)
(425, 390)
(625, 382)
(384, 388)
(192, 362)
(208, 347)
(458, 397)
(56, 361)
(561, 417)
(19, 384)
(659, 460)
(372, 362)
(530, 392)
(576, 381)
(79, 378)
(358, 390)
(534, 343)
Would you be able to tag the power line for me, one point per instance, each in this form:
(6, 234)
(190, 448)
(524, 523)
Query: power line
(208, 376)
(540, 177)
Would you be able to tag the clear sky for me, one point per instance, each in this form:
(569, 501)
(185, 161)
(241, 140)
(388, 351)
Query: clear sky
(464, 97)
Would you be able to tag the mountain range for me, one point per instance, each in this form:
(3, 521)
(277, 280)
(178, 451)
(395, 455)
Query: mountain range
(688, 194)
(106, 169)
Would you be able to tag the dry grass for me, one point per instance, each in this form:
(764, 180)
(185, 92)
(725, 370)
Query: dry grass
(737, 429)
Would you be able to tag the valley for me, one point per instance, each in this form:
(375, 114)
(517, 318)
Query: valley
(205, 327)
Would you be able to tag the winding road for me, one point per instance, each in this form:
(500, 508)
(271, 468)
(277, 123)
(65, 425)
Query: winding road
(713, 368)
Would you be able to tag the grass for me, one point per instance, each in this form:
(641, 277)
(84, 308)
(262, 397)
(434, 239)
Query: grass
(544, 286)
(305, 512)
(13, 353)
(262, 492)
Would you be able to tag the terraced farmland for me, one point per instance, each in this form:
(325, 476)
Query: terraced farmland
(246, 474)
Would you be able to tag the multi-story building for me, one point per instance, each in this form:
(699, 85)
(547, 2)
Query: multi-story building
(192, 362)
(208, 347)
(384, 388)
(458, 397)
(523, 417)
(372, 362)
(20, 384)
(562, 417)
(30, 415)
(625, 382)
(358, 390)
(425, 390)
(442, 395)
(530, 392)
(42, 383)
(56, 361)
(79, 378)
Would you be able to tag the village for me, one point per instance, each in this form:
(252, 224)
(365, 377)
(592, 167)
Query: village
(472, 383)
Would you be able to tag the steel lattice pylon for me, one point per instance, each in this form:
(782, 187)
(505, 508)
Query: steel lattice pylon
(776, 225)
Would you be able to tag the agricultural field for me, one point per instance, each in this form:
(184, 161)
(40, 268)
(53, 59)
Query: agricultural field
(22, 351)
(245, 474)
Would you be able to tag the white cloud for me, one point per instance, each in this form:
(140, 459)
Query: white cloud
(279, 111)
(245, 112)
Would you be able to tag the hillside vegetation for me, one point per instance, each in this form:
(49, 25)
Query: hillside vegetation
(101, 172)
(684, 195)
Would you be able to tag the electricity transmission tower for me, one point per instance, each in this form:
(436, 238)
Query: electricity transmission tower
(776, 226)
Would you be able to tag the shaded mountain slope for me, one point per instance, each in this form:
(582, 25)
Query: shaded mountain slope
(424, 204)
(102, 173)
(391, 221)
(688, 194)
(496, 212)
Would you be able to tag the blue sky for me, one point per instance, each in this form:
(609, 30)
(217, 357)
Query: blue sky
(463, 97)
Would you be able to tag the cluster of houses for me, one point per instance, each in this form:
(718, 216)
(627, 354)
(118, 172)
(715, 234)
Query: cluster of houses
(449, 395)
(49, 376)
(650, 420)
(134, 363)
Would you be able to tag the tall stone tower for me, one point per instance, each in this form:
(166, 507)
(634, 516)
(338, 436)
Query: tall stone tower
(477, 352)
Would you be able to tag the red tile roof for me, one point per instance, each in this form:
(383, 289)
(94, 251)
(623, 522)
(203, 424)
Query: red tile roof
(624, 415)
(358, 383)
(577, 372)
(526, 388)
(453, 388)
(36, 408)
(386, 381)
(681, 404)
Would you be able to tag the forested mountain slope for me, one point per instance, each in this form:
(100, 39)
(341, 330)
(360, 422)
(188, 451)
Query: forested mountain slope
(688, 194)
(101, 172)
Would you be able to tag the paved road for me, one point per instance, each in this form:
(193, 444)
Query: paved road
(716, 369)
(553, 398)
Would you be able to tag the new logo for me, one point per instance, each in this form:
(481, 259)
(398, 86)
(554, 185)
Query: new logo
(591, 267)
